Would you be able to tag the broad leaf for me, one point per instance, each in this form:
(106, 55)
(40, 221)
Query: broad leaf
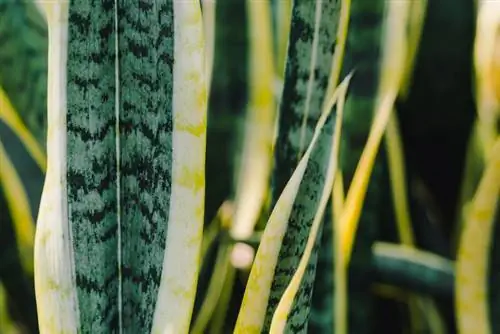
(116, 247)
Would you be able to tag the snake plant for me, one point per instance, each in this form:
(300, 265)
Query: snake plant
(248, 167)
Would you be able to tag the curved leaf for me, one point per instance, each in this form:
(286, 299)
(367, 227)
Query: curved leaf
(12, 119)
(413, 269)
(23, 75)
(284, 308)
(486, 49)
(257, 302)
(473, 252)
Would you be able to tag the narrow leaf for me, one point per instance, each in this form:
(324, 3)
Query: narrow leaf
(257, 294)
(283, 17)
(486, 65)
(474, 251)
(284, 307)
(256, 156)
(311, 41)
(209, 17)
(185, 227)
(363, 53)
(13, 120)
(228, 101)
(413, 269)
(20, 210)
(55, 283)
(23, 55)
(309, 62)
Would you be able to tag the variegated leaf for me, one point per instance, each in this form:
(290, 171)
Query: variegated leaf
(116, 248)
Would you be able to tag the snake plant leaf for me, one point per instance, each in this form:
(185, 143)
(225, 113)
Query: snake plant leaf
(282, 17)
(19, 289)
(308, 179)
(255, 165)
(209, 15)
(54, 270)
(23, 76)
(487, 67)
(6, 324)
(405, 227)
(21, 180)
(322, 305)
(126, 151)
(395, 156)
(283, 316)
(393, 49)
(11, 118)
(416, 23)
(253, 162)
(308, 64)
(472, 172)
(228, 100)
(413, 269)
(494, 275)
(478, 218)
(23, 35)
(19, 204)
(362, 52)
(474, 251)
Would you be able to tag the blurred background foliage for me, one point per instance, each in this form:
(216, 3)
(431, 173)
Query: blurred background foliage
(436, 119)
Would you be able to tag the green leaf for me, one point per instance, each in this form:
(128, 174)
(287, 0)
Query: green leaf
(413, 269)
(310, 54)
(295, 206)
(284, 316)
(23, 59)
(120, 224)
(227, 102)
(255, 159)
(308, 65)
(363, 53)
(473, 255)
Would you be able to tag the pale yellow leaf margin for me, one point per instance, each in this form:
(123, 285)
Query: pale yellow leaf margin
(254, 305)
(284, 306)
(185, 226)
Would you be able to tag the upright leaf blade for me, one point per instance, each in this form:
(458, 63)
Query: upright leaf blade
(474, 251)
(135, 156)
(362, 53)
(308, 64)
(185, 226)
(227, 102)
(257, 304)
(309, 61)
(55, 281)
(283, 314)
(256, 158)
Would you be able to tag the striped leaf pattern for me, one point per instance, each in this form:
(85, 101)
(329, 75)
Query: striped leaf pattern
(132, 112)
(310, 55)
(119, 229)
(259, 304)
